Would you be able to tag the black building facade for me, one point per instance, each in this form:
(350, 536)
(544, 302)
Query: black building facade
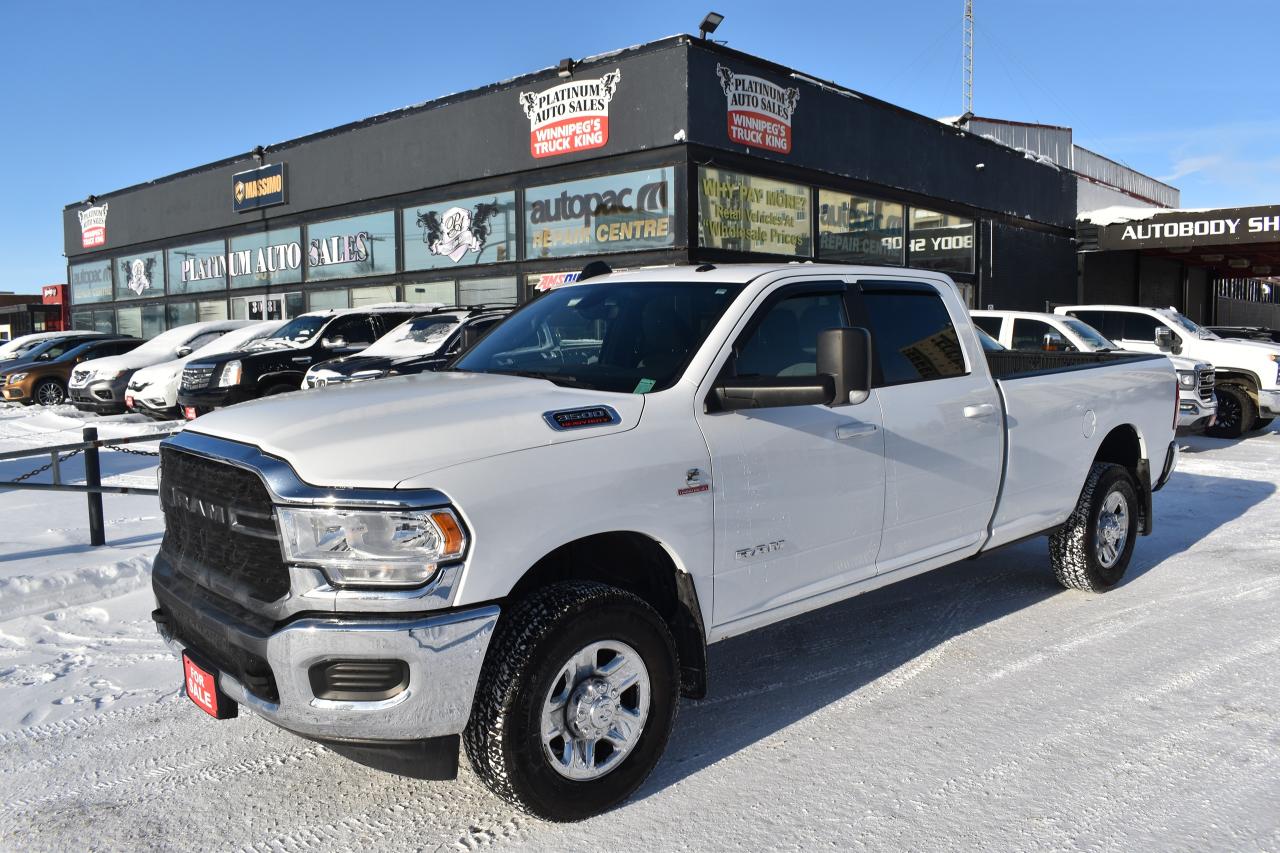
(672, 152)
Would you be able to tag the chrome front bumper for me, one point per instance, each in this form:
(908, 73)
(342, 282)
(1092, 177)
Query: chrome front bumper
(444, 654)
(1269, 403)
(1193, 412)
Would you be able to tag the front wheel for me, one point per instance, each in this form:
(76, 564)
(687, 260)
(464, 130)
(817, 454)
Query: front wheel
(576, 701)
(1236, 412)
(1092, 550)
(50, 392)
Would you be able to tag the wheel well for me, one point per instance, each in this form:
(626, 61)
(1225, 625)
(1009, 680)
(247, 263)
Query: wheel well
(1247, 380)
(1122, 446)
(635, 563)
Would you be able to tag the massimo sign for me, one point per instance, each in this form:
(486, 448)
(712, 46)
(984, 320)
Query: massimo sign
(260, 187)
(570, 117)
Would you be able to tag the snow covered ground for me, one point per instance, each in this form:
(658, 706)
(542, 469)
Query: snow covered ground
(979, 706)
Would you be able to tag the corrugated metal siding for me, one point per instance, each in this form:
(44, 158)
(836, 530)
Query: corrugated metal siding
(1109, 172)
(1051, 142)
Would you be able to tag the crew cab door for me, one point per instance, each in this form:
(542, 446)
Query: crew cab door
(943, 423)
(1131, 330)
(798, 491)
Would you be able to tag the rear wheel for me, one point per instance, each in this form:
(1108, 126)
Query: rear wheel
(1236, 412)
(575, 702)
(50, 392)
(1092, 550)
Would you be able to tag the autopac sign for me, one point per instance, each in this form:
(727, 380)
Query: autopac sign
(261, 187)
(1224, 226)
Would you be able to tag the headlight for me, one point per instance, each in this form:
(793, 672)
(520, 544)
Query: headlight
(15, 378)
(1187, 379)
(365, 547)
(230, 374)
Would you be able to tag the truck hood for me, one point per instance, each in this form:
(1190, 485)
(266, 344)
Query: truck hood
(1227, 353)
(379, 434)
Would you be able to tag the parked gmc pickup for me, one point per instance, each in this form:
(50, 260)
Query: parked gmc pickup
(531, 550)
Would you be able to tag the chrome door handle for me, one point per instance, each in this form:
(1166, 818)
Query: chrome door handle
(301, 359)
(854, 430)
(981, 410)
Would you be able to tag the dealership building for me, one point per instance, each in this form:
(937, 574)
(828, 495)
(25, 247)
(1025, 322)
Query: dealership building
(677, 151)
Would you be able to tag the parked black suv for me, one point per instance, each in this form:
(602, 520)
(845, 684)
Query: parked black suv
(277, 364)
(425, 342)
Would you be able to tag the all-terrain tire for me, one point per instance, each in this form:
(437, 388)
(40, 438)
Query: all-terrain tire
(503, 738)
(1075, 550)
(1237, 413)
(50, 392)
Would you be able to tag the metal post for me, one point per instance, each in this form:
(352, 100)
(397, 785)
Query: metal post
(56, 461)
(92, 478)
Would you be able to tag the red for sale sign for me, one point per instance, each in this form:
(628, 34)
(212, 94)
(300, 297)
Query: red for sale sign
(570, 117)
(759, 112)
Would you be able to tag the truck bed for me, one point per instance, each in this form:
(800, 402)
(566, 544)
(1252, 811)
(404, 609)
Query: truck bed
(1059, 408)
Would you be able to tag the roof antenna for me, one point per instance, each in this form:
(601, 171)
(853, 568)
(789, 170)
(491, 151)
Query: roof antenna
(968, 59)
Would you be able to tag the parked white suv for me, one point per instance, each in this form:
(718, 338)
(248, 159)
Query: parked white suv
(1030, 331)
(1247, 372)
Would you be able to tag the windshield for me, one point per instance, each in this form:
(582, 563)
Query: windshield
(419, 336)
(1089, 334)
(1190, 325)
(298, 332)
(628, 337)
(989, 343)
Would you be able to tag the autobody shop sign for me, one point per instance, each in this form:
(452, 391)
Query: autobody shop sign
(571, 117)
(1177, 229)
(616, 213)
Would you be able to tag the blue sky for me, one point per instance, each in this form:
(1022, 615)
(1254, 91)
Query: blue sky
(104, 95)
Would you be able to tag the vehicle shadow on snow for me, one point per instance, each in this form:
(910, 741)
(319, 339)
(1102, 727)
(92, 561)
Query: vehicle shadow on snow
(1199, 443)
(763, 682)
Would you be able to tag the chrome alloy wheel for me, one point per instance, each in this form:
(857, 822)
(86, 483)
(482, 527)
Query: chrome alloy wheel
(595, 711)
(1113, 529)
(50, 394)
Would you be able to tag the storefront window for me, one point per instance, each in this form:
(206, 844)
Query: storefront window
(197, 268)
(90, 282)
(745, 213)
(82, 321)
(140, 321)
(487, 291)
(941, 241)
(365, 296)
(432, 291)
(349, 248)
(270, 257)
(324, 300)
(618, 213)
(446, 234)
(140, 276)
(277, 306)
(182, 313)
(858, 230)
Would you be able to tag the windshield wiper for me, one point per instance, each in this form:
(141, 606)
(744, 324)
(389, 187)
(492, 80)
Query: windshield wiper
(556, 378)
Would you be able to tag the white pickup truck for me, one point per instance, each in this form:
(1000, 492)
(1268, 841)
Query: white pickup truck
(530, 550)
(1247, 372)
(1029, 331)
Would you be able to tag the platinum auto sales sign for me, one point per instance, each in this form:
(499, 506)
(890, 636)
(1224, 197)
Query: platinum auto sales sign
(570, 117)
(93, 226)
(759, 112)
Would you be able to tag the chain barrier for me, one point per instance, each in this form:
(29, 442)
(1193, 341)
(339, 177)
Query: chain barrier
(45, 467)
(132, 452)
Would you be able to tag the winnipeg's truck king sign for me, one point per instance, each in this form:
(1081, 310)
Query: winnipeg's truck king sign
(570, 117)
(759, 112)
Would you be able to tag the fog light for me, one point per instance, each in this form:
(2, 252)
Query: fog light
(358, 680)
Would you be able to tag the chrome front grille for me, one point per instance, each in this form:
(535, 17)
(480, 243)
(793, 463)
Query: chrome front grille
(195, 378)
(1206, 386)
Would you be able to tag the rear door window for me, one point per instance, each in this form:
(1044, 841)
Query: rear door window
(912, 333)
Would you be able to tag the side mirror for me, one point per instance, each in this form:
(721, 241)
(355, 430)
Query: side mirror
(1165, 339)
(334, 343)
(1054, 342)
(471, 334)
(183, 352)
(844, 354)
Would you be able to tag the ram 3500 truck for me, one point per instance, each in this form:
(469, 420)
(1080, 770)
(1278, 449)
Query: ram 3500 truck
(531, 550)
